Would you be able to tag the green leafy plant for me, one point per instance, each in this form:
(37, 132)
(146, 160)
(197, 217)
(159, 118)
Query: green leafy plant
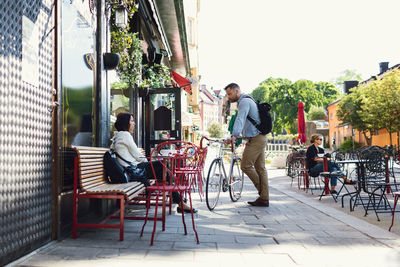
(129, 47)
(127, 44)
(156, 76)
(349, 144)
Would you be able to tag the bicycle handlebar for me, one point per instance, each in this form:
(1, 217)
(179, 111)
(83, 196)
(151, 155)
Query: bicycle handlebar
(222, 141)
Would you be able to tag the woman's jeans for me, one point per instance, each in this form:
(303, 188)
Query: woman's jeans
(158, 169)
(332, 166)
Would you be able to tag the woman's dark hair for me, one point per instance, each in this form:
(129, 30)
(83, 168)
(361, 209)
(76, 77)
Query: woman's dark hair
(123, 121)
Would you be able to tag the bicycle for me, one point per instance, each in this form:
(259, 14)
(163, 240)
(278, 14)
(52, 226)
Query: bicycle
(217, 177)
(295, 164)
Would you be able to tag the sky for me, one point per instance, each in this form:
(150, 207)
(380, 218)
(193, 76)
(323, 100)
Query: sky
(249, 41)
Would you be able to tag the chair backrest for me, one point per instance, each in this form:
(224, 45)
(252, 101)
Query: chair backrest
(180, 161)
(202, 157)
(374, 158)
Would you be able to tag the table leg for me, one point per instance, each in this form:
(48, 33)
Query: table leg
(326, 178)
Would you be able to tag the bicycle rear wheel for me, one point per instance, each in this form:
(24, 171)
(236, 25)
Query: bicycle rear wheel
(236, 182)
(213, 186)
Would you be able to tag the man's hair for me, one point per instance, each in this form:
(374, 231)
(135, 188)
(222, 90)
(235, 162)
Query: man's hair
(123, 120)
(232, 86)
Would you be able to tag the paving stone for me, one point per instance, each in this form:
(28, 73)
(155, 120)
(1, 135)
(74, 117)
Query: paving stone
(132, 253)
(254, 240)
(296, 230)
(203, 246)
(158, 245)
(168, 256)
(238, 247)
(268, 259)
(108, 253)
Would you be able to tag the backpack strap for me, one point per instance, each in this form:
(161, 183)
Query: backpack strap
(119, 156)
(248, 116)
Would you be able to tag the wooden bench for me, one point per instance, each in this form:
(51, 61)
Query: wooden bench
(90, 181)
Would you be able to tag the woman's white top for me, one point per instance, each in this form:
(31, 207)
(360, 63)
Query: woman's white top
(123, 144)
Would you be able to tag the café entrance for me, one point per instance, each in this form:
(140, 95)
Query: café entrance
(162, 116)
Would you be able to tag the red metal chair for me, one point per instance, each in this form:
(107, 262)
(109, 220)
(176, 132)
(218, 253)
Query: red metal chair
(181, 162)
(202, 161)
(396, 197)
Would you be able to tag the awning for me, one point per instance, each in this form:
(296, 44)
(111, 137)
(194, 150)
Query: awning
(181, 82)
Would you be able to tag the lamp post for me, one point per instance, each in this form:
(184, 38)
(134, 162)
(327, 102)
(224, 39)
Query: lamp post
(121, 16)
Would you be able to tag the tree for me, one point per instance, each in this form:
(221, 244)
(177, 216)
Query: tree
(346, 75)
(351, 109)
(382, 103)
(316, 113)
(284, 96)
(215, 130)
(329, 91)
(261, 93)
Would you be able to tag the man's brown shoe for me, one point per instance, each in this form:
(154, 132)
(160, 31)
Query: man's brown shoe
(259, 202)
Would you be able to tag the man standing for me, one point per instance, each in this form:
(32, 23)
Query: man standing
(253, 159)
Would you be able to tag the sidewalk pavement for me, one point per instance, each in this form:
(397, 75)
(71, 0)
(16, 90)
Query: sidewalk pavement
(295, 230)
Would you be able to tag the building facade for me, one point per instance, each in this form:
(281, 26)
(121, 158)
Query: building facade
(54, 93)
(210, 108)
(339, 131)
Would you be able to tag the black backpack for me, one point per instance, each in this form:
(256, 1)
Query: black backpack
(114, 171)
(265, 126)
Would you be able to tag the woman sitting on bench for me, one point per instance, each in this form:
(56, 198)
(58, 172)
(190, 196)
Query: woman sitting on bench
(124, 145)
(316, 163)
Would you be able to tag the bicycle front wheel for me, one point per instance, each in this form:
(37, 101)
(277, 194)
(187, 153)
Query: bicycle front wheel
(236, 182)
(213, 186)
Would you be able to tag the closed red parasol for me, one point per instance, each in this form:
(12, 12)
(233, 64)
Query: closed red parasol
(301, 124)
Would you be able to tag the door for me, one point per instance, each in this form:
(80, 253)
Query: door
(162, 116)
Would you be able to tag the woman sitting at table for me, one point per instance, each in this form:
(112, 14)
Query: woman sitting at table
(316, 163)
(124, 145)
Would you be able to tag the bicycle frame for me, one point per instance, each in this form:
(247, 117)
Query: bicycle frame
(220, 157)
(232, 182)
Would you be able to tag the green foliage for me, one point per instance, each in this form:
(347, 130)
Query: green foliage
(373, 106)
(350, 110)
(382, 103)
(119, 85)
(215, 130)
(129, 47)
(284, 96)
(261, 93)
(349, 145)
(130, 6)
(156, 76)
(329, 92)
(346, 75)
(316, 113)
